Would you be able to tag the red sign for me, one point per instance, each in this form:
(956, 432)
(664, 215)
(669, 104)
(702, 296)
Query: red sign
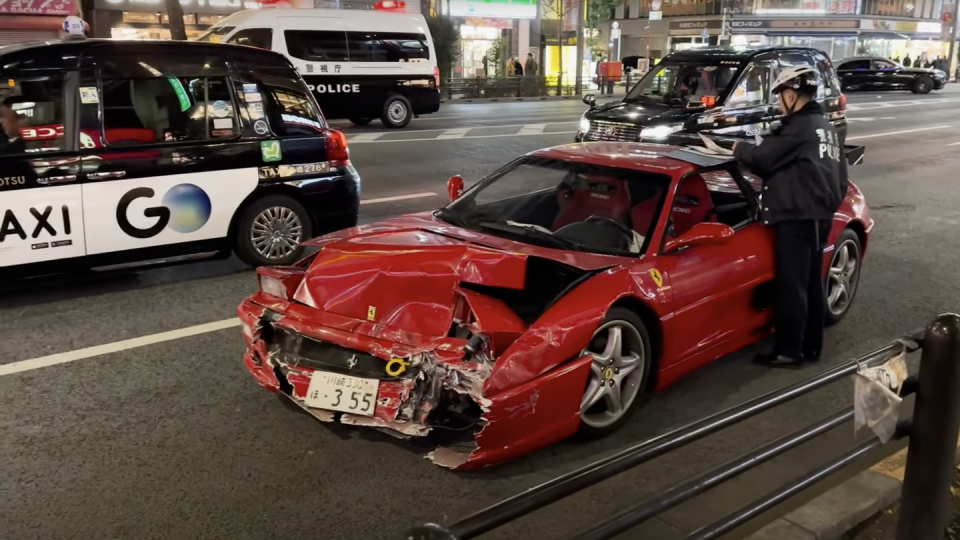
(36, 7)
(391, 5)
(946, 17)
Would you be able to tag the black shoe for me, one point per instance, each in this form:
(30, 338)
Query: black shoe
(778, 360)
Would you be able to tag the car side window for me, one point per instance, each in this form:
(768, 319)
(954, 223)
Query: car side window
(855, 65)
(261, 38)
(827, 77)
(317, 46)
(884, 65)
(753, 89)
(32, 115)
(289, 107)
(167, 109)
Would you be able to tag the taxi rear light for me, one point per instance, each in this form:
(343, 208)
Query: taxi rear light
(338, 155)
(279, 281)
(843, 102)
(708, 101)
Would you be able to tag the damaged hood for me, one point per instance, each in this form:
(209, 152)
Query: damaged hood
(403, 273)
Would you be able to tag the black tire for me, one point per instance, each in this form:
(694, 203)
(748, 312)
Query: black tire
(397, 112)
(360, 121)
(625, 317)
(923, 85)
(243, 243)
(851, 241)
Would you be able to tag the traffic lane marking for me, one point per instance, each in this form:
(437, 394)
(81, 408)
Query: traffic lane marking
(898, 132)
(117, 346)
(399, 198)
(351, 137)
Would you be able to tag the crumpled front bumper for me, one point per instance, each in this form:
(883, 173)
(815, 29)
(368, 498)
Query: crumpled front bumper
(439, 391)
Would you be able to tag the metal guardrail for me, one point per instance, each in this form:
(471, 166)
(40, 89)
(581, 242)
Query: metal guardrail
(933, 431)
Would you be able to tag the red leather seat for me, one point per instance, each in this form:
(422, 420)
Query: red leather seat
(691, 205)
(643, 214)
(595, 196)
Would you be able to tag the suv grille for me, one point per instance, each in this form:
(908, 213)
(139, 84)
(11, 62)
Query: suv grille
(602, 130)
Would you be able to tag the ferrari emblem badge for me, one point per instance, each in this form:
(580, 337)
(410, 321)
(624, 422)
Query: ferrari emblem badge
(608, 373)
(371, 313)
(657, 278)
(396, 367)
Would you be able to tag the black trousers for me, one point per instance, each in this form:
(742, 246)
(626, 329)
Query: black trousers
(801, 300)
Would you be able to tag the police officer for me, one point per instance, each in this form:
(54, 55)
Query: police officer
(804, 172)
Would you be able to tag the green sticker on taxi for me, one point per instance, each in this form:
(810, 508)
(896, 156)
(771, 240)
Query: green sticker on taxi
(270, 151)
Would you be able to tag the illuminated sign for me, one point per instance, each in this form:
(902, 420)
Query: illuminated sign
(504, 9)
(189, 6)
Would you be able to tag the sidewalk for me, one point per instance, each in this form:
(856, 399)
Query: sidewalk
(884, 526)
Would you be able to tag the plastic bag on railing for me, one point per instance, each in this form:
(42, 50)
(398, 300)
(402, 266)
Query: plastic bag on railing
(876, 399)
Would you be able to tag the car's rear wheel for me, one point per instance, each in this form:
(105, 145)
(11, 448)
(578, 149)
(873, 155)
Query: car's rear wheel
(843, 276)
(622, 359)
(360, 121)
(270, 231)
(923, 85)
(397, 112)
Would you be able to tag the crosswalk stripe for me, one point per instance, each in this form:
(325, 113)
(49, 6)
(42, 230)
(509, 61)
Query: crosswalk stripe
(365, 137)
(454, 133)
(534, 129)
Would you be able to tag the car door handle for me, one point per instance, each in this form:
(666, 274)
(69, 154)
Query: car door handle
(57, 179)
(106, 175)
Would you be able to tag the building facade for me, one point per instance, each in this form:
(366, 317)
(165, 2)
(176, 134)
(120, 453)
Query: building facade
(33, 20)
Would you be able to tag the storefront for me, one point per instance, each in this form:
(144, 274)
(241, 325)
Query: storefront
(33, 20)
(479, 42)
(902, 39)
(146, 19)
(490, 31)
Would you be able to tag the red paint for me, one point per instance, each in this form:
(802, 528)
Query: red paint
(406, 288)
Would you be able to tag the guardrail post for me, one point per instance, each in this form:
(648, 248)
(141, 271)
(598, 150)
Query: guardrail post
(924, 505)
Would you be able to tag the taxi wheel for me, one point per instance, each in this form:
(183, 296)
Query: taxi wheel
(360, 121)
(397, 112)
(270, 231)
(923, 85)
(619, 372)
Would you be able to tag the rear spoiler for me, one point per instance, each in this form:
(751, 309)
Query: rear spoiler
(854, 154)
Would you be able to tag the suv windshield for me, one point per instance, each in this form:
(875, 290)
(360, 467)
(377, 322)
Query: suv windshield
(563, 205)
(215, 34)
(680, 84)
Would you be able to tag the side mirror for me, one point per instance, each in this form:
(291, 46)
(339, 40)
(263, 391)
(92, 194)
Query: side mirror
(590, 100)
(702, 234)
(455, 187)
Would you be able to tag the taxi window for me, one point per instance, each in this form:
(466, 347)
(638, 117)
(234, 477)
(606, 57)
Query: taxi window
(289, 107)
(753, 89)
(31, 114)
(167, 109)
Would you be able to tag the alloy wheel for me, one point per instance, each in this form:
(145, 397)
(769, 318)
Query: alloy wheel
(616, 373)
(843, 277)
(276, 232)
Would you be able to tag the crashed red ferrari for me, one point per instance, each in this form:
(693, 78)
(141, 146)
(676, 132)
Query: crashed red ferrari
(538, 304)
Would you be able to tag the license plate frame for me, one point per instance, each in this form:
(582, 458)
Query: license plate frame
(342, 393)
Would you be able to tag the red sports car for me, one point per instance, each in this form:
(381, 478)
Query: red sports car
(537, 304)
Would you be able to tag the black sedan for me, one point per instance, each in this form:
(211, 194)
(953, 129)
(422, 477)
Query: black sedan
(871, 73)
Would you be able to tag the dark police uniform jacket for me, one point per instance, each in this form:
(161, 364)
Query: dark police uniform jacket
(803, 167)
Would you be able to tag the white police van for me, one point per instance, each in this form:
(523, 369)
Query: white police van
(360, 65)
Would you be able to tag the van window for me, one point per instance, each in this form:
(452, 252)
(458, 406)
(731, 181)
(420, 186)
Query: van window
(155, 110)
(291, 112)
(261, 38)
(316, 46)
(387, 47)
(753, 88)
(216, 34)
(32, 115)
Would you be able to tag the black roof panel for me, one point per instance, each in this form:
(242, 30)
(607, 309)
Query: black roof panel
(728, 53)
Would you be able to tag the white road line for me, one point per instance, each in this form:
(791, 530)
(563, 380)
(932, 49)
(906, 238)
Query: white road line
(534, 129)
(365, 136)
(571, 122)
(118, 346)
(399, 197)
(457, 133)
(953, 144)
(564, 133)
(891, 133)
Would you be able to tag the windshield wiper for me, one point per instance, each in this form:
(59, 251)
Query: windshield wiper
(528, 230)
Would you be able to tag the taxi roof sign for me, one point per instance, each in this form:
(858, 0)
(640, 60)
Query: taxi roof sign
(74, 26)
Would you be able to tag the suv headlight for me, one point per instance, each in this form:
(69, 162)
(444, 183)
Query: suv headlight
(584, 124)
(660, 132)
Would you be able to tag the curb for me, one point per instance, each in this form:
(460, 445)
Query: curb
(843, 508)
(517, 99)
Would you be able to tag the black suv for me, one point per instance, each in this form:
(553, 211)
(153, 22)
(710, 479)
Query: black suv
(870, 73)
(721, 91)
(119, 153)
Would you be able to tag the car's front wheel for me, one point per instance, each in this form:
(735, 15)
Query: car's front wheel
(270, 231)
(922, 85)
(397, 112)
(843, 276)
(622, 360)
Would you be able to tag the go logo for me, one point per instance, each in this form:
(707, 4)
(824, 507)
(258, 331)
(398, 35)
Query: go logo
(185, 208)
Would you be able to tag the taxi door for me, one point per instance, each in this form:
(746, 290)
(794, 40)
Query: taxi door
(41, 212)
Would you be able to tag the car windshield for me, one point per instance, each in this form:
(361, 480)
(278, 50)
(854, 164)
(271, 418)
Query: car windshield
(564, 205)
(682, 84)
(215, 34)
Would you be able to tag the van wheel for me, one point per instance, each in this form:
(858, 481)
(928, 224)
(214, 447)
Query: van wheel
(923, 85)
(270, 231)
(396, 112)
(360, 121)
